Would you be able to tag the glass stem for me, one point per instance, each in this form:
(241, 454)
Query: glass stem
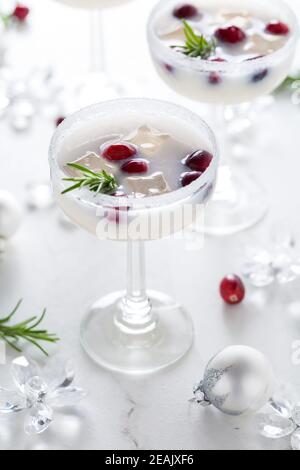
(220, 127)
(98, 61)
(225, 189)
(136, 304)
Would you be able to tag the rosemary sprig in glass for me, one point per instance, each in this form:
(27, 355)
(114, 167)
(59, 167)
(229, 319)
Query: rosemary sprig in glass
(98, 182)
(195, 45)
(27, 330)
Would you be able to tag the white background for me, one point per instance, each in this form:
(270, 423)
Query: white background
(66, 270)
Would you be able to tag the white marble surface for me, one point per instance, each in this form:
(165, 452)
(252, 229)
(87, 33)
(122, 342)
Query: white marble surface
(66, 270)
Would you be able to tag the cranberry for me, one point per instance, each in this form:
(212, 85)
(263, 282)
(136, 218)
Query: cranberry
(117, 214)
(231, 35)
(119, 151)
(135, 166)
(20, 13)
(185, 12)
(232, 289)
(190, 177)
(259, 76)
(254, 58)
(199, 160)
(218, 59)
(214, 78)
(169, 68)
(278, 28)
(59, 120)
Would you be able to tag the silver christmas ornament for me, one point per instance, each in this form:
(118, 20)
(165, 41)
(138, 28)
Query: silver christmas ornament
(11, 215)
(237, 381)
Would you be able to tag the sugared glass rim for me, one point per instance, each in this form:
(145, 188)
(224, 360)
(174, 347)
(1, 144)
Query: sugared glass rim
(149, 202)
(181, 60)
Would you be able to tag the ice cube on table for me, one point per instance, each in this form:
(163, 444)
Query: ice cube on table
(153, 185)
(147, 138)
(93, 162)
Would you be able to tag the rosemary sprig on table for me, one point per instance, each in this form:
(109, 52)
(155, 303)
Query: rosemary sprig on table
(195, 45)
(27, 330)
(98, 182)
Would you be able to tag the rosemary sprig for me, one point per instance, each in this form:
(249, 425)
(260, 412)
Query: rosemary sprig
(6, 19)
(196, 46)
(288, 83)
(100, 182)
(27, 330)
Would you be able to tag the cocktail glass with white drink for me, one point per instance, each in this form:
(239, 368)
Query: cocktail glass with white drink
(225, 52)
(123, 170)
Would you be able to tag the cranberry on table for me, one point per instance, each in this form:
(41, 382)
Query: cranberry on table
(135, 166)
(190, 177)
(232, 289)
(20, 13)
(186, 11)
(117, 214)
(278, 28)
(230, 35)
(120, 151)
(199, 160)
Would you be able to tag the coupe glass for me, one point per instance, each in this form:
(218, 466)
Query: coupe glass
(98, 84)
(239, 201)
(136, 331)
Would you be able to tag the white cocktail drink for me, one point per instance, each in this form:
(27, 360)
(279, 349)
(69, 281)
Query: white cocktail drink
(154, 160)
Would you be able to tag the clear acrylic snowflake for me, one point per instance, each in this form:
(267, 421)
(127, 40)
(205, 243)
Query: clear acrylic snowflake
(277, 260)
(23, 97)
(282, 421)
(39, 391)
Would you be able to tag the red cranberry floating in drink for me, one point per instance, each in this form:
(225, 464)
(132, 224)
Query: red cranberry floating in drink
(190, 177)
(119, 151)
(59, 120)
(260, 76)
(135, 166)
(169, 68)
(117, 214)
(232, 289)
(20, 13)
(214, 78)
(199, 160)
(185, 12)
(278, 28)
(230, 35)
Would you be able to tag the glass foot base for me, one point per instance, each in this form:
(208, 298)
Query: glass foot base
(121, 348)
(238, 204)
